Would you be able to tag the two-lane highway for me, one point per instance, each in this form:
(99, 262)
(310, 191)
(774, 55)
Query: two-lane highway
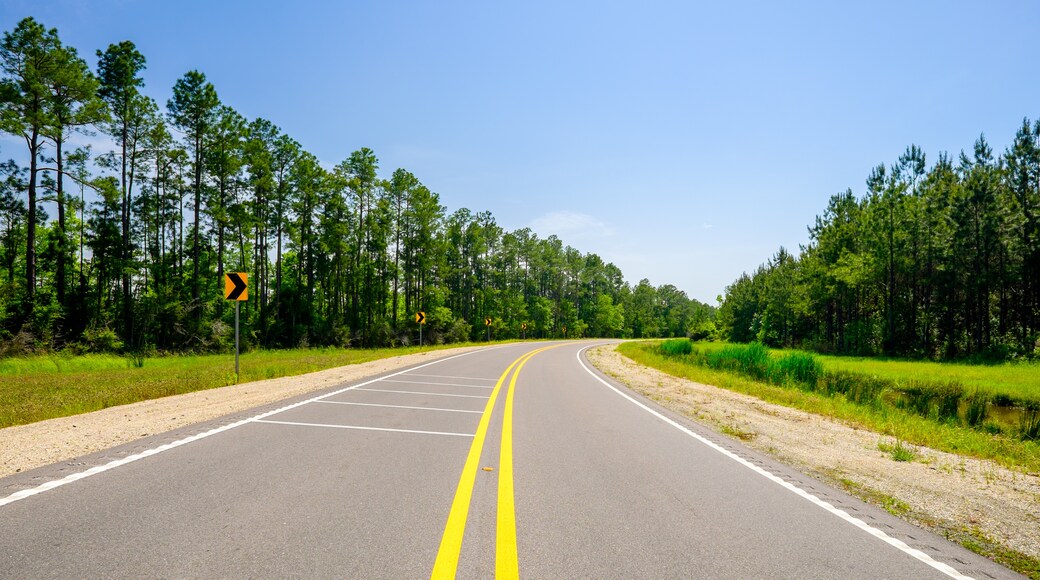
(512, 460)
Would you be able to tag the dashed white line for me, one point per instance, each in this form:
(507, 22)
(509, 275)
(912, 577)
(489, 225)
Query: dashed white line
(450, 377)
(420, 393)
(895, 542)
(437, 384)
(359, 428)
(398, 406)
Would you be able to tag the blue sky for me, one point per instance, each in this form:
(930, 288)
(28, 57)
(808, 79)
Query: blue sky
(683, 141)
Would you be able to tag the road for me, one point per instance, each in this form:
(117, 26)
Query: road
(517, 459)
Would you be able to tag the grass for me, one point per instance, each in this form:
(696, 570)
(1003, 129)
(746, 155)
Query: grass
(871, 414)
(44, 387)
(897, 451)
(1017, 380)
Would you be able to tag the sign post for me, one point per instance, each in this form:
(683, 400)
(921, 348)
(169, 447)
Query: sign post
(523, 331)
(236, 288)
(420, 317)
(487, 323)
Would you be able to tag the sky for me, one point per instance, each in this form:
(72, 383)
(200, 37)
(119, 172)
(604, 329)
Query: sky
(685, 142)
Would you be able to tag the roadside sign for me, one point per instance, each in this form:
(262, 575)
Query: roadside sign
(236, 286)
(487, 321)
(420, 317)
(523, 326)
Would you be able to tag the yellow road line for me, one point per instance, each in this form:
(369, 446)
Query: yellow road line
(447, 562)
(507, 563)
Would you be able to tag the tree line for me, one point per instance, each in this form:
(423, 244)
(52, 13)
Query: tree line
(143, 233)
(939, 261)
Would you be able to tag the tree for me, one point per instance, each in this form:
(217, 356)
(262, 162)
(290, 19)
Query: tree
(119, 70)
(28, 59)
(193, 110)
(73, 104)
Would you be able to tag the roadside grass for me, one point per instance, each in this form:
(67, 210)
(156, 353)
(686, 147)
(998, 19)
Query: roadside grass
(897, 451)
(1018, 380)
(898, 423)
(44, 387)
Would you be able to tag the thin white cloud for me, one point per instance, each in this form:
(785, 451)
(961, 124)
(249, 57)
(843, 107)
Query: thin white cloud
(570, 225)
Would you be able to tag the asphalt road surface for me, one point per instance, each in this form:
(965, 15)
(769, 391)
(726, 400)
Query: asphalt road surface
(512, 460)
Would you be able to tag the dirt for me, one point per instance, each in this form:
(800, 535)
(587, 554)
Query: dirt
(948, 493)
(943, 491)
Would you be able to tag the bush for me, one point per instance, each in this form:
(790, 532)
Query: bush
(102, 340)
(676, 347)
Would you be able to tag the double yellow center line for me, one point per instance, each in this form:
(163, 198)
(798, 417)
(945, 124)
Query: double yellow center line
(506, 562)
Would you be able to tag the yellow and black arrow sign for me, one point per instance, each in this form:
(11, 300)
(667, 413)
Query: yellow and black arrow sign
(420, 317)
(523, 326)
(236, 286)
(487, 321)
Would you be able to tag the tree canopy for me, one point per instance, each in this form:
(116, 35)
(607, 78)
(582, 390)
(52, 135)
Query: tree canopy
(335, 256)
(939, 262)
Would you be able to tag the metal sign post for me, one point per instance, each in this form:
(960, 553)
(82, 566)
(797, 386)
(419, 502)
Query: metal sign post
(236, 287)
(420, 318)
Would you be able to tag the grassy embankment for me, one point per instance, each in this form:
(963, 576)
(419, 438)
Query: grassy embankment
(945, 407)
(43, 387)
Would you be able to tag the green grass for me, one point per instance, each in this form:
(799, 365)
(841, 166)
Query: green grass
(884, 419)
(1018, 380)
(43, 387)
(897, 451)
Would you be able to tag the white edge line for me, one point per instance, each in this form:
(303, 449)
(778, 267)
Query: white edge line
(360, 428)
(437, 384)
(895, 542)
(398, 407)
(419, 393)
(18, 495)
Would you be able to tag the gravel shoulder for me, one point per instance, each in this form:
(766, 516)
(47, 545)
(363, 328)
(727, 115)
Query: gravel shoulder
(26, 447)
(955, 496)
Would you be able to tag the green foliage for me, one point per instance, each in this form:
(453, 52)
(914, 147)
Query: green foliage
(102, 340)
(898, 451)
(977, 408)
(934, 262)
(676, 347)
(1030, 423)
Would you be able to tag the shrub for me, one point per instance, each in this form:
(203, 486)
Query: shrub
(676, 347)
(102, 340)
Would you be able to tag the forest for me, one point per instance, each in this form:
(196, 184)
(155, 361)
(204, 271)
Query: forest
(125, 249)
(939, 261)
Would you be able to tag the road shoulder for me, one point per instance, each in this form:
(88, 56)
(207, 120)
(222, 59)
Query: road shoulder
(964, 499)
